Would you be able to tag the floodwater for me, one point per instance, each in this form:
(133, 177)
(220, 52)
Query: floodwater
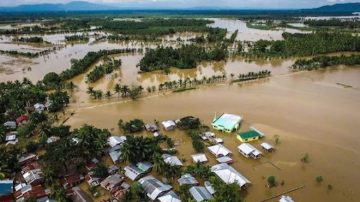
(249, 34)
(312, 112)
(309, 111)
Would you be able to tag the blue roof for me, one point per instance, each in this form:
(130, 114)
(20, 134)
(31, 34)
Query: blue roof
(227, 121)
(6, 187)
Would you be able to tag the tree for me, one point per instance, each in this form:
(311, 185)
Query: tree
(52, 80)
(135, 125)
(117, 89)
(58, 193)
(271, 181)
(101, 171)
(58, 100)
(319, 179)
(305, 158)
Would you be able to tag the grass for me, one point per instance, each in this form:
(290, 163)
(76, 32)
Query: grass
(183, 89)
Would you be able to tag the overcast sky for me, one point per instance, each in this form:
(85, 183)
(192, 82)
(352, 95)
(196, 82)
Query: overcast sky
(195, 3)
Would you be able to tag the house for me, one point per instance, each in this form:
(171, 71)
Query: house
(187, 179)
(219, 150)
(31, 192)
(171, 196)
(28, 158)
(72, 180)
(169, 125)
(200, 194)
(207, 135)
(33, 177)
(111, 182)
(80, 196)
(153, 187)
(115, 153)
(11, 136)
(172, 160)
(286, 199)
(112, 169)
(199, 158)
(218, 140)
(6, 187)
(39, 108)
(225, 159)
(267, 147)
(226, 122)
(52, 139)
(229, 175)
(92, 180)
(132, 172)
(30, 166)
(116, 140)
(10, 124)
(251, 135)
(22, 119)
(248, 151)
(151, 127)
(144, 166)
(209, 187)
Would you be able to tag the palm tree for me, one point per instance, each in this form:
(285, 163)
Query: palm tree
(158, 163)
(124, 90)
(117, 89)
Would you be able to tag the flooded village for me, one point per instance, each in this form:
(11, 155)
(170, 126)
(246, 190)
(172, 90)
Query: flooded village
(243, 122)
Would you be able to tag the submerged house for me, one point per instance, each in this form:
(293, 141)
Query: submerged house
(248, 151)
(286, 199)
(219, 150)
(199, 158)
(135, 172)
(116, 140)
(200, 194)
(111, 182)
(187, 179)
(169, 125)
(153, 187)
(251, 135)
(225, 159)
(229, 175)
(171, 196)
(115, 153)
(226, 122)
(33, 177)
(172, 160)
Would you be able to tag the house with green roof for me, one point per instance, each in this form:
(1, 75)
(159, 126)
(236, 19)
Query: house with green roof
(251, 135)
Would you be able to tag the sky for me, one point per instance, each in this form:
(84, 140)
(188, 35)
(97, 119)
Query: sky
(195, 3)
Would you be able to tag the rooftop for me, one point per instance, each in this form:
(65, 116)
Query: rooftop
(250, 134)
(229, 175)
(153, 187)
(219, 150)
(200, 193)
(227, 121)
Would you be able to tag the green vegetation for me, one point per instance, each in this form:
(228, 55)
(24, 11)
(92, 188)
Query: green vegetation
(189, 122)
(107, 68)
(25, 54)
(188, 56)
(319, 179)
(80, 66)
(77, 38)
(133, 126)
(338, 23)
(271, 180)
(320, 62)
(305, 158)
(58, 100)
(34, 39)
(52, 81)
(252, 76)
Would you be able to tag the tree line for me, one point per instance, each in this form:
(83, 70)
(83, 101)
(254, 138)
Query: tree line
(110, 64)
(326, 61)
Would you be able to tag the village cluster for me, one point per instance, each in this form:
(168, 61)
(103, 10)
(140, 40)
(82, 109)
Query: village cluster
(119, 180)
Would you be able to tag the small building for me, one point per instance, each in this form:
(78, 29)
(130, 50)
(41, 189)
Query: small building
(153, 187)
(144, 166)
(225, 159)
(172, 160)
(286, 199)
(116, 140)
(52, 139)
(248, 151)
(39, 108)
(209, 187)
(11, 136)
(229, 175)
(200, 194)
(218, 140)
(92, 180)
(170, 196)
(6, 187)
(28, 158)
(22, 119)
(187, 179)
(199, 158)
(115, 153)
(112, 169)
(219, 150)
(72, 180)
(10, 124)
(111, 182)
(267, 147)
(207, 135)
(132, 172)
(226, 122)
(169, 125)
(151, 127)
(80, 196)
(251, 135)
(33, 177)
(37, 192)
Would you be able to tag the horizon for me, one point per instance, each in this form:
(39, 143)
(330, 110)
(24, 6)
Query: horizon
(187, 4)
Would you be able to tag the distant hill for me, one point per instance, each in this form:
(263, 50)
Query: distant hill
(336, 8)
(46, 7)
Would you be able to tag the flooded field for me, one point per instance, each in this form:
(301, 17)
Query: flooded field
(308, 110)
(312, 112)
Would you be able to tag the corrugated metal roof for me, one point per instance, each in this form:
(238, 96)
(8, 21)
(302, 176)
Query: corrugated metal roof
(200, 193)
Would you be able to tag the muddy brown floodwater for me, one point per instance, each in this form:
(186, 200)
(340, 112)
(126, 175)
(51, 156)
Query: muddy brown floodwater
(308, 110)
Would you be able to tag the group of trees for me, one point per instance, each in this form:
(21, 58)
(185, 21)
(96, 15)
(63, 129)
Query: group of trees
(183, 84)
(185, 57)
(110, 64)
(80, 66)
(25, 54)
(299, 44)
(135, 125)
(338, 23)
(77, 37)
(34, 39)
(252, 76)
(326, 61)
